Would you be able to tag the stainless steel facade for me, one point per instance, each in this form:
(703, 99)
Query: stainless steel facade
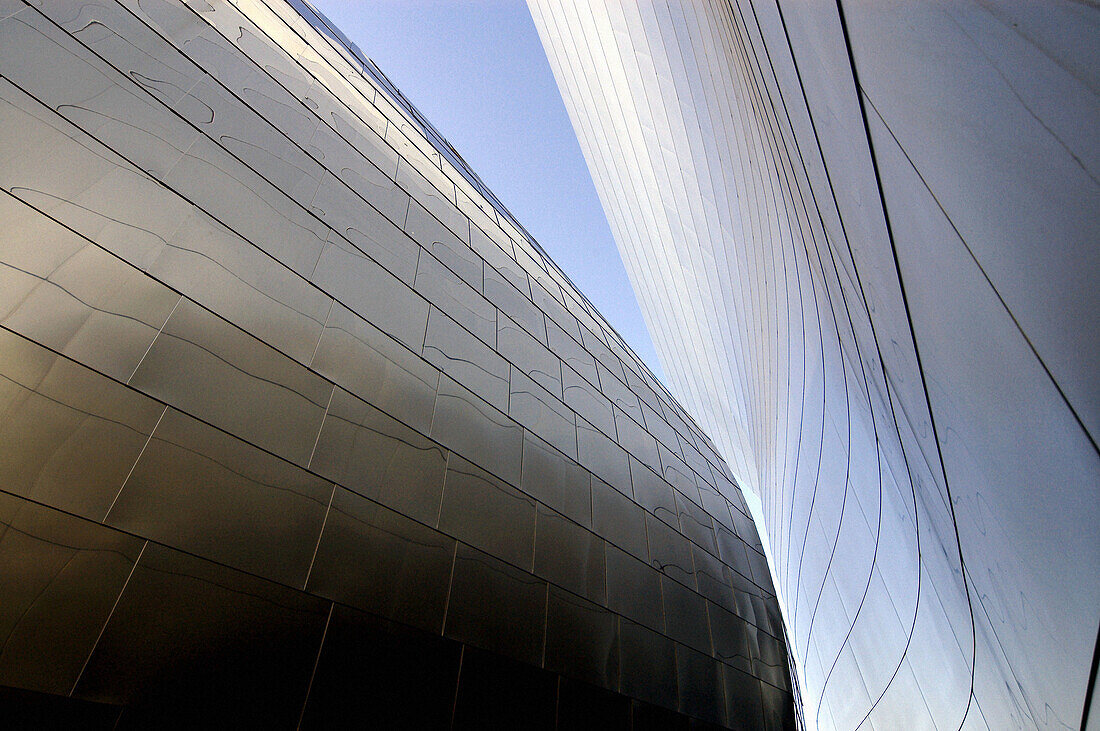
(864, 235)
(298, 428)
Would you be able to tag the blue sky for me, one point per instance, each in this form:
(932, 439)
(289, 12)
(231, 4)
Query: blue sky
(477, 71)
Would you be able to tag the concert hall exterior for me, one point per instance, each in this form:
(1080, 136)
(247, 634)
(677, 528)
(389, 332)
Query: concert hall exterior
(299, 428)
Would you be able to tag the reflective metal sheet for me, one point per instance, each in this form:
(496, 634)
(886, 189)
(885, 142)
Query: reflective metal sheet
(653, 493)
(487, 513)
(698, 676)
(569, 555)
(531, 356)
(571, 352)
(603, 456)
(633, 589)
(469, 361)
(186, 628)
(378, 560)
(210, 494)
(210, 369)
(467, 424)
(581, 706)
(445, 246)
(73, 297)
(372, 292)
(542, 413)
(669, 552)
(555, 480)
(648, 665)
(616, 517)
(496, 606)
(506, 287)
(376, 456)
(743, 698)
(734, 640)
(60, 577)
(582, 639)
(72, 435)
(365, 361)
(497, 693)
(685, 616)
(448, 292)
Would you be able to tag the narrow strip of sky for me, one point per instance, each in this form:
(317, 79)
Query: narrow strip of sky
(477, 71)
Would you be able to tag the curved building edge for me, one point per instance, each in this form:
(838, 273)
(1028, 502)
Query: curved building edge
(864, 240)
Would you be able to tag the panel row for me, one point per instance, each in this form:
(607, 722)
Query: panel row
(183, 642)
(334, 261)
(594, 448)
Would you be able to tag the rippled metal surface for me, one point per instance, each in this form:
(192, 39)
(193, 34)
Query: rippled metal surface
(298, 430)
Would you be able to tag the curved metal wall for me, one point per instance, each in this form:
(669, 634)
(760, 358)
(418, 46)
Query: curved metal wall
(297, 430)
(864, 239)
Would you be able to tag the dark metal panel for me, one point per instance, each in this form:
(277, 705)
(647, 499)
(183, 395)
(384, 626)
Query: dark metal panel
(382, 562)
(603, 456)
(542, 413)
(203, 491)
(569, 555)
(669, 552)
(698, 678)
(487, 513)
(467, 424)
(496, 693)
(653, 493)
(380, 458)
(633, 589)
(555, 480)
(469, 361)
(582, 639)
(617, 518)
(496, 607)
(381, 674)
(59, 578)
(587, 708)
(186, 629)
(685, 616)
(648, 665)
